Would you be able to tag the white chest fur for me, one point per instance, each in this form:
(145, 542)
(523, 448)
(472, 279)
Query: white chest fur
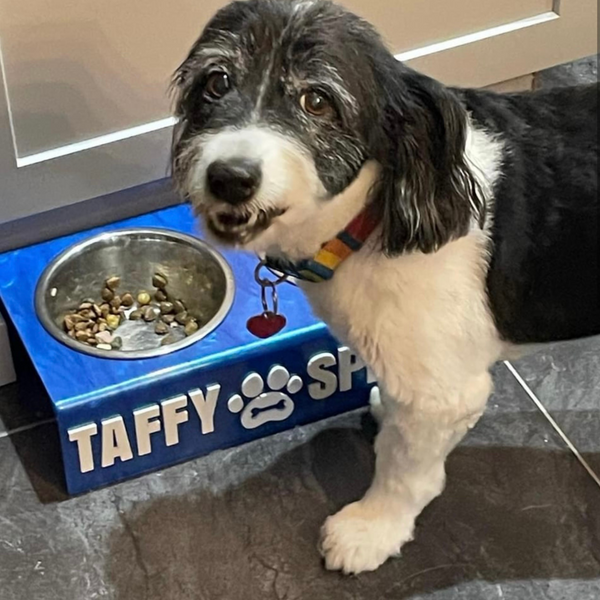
(420, 321)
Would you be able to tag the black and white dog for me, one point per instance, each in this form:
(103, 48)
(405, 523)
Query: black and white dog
(293, 117)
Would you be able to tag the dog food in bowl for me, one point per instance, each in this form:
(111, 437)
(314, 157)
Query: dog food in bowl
(135, 293)
(98, 323)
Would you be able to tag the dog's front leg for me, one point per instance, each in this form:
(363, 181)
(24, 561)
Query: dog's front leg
(411, 449)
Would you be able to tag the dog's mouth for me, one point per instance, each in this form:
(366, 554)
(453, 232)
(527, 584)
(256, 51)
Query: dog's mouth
(238, 226)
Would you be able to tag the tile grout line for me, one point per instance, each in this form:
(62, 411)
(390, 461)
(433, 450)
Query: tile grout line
(5, 434)
(552, 422)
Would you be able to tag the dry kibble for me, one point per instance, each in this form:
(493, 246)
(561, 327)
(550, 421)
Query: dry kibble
(161, 328)
(112, 283)
(68, 322)
(182, 317)
(104, 337)
(191, 327)
(159, 281)
(179, 306)
(94, 322)
(127, 299)
(143, 298)
(113, 321)
(166, 308)
(77, 317)
(150, 313)
(161, 296)
(168, 339)
(87, 314)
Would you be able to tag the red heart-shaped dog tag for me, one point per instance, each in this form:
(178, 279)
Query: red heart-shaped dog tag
(266, 324)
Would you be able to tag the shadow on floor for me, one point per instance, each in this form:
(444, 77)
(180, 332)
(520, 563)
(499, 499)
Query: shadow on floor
(26, 402)
(39, 452)
(508, 514)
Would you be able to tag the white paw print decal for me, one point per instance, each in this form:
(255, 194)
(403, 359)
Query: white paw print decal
(274, 404)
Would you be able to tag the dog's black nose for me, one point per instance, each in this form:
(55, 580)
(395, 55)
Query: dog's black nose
(233, 181)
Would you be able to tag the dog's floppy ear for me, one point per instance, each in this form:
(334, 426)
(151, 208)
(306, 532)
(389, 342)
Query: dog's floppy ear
(427, 194)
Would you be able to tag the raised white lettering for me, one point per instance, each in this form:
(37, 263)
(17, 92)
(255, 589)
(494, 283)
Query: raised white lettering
(349, 363)
(144, 426)
(325, 381)
(115, 442)
(205, 406)
(174, 414)
(82, 436)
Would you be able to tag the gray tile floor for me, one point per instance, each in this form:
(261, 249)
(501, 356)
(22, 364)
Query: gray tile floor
(520, 518)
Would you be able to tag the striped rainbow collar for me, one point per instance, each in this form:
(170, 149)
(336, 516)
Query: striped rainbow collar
(322, 266)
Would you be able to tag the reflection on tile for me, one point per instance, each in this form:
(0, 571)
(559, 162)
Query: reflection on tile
(584, 70)
(566, 379)
(566, 375)
(518, 520)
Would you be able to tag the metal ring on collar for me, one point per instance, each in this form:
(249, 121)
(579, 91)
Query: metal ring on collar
(263, 281)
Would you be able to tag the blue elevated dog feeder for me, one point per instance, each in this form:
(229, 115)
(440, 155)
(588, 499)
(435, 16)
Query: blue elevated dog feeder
(120, 418)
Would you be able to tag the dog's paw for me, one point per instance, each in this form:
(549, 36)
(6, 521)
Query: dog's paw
(358, 538)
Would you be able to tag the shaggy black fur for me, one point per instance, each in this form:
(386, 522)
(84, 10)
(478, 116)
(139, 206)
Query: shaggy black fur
(543, 275)
(543, 280)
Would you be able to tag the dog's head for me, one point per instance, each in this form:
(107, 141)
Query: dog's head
(282, 104)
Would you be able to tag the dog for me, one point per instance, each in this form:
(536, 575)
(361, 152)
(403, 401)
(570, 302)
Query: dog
(294, 122)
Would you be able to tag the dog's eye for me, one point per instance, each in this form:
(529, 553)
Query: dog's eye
(217, 84)
(316, 104)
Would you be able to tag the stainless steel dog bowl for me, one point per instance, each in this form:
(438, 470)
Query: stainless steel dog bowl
(197, 274)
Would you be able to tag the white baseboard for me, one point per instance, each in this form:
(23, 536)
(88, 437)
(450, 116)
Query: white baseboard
(7, 370)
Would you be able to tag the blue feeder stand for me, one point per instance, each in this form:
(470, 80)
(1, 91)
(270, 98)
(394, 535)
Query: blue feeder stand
(120, 418)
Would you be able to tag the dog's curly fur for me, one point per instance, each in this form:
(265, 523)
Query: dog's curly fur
(488, 211)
